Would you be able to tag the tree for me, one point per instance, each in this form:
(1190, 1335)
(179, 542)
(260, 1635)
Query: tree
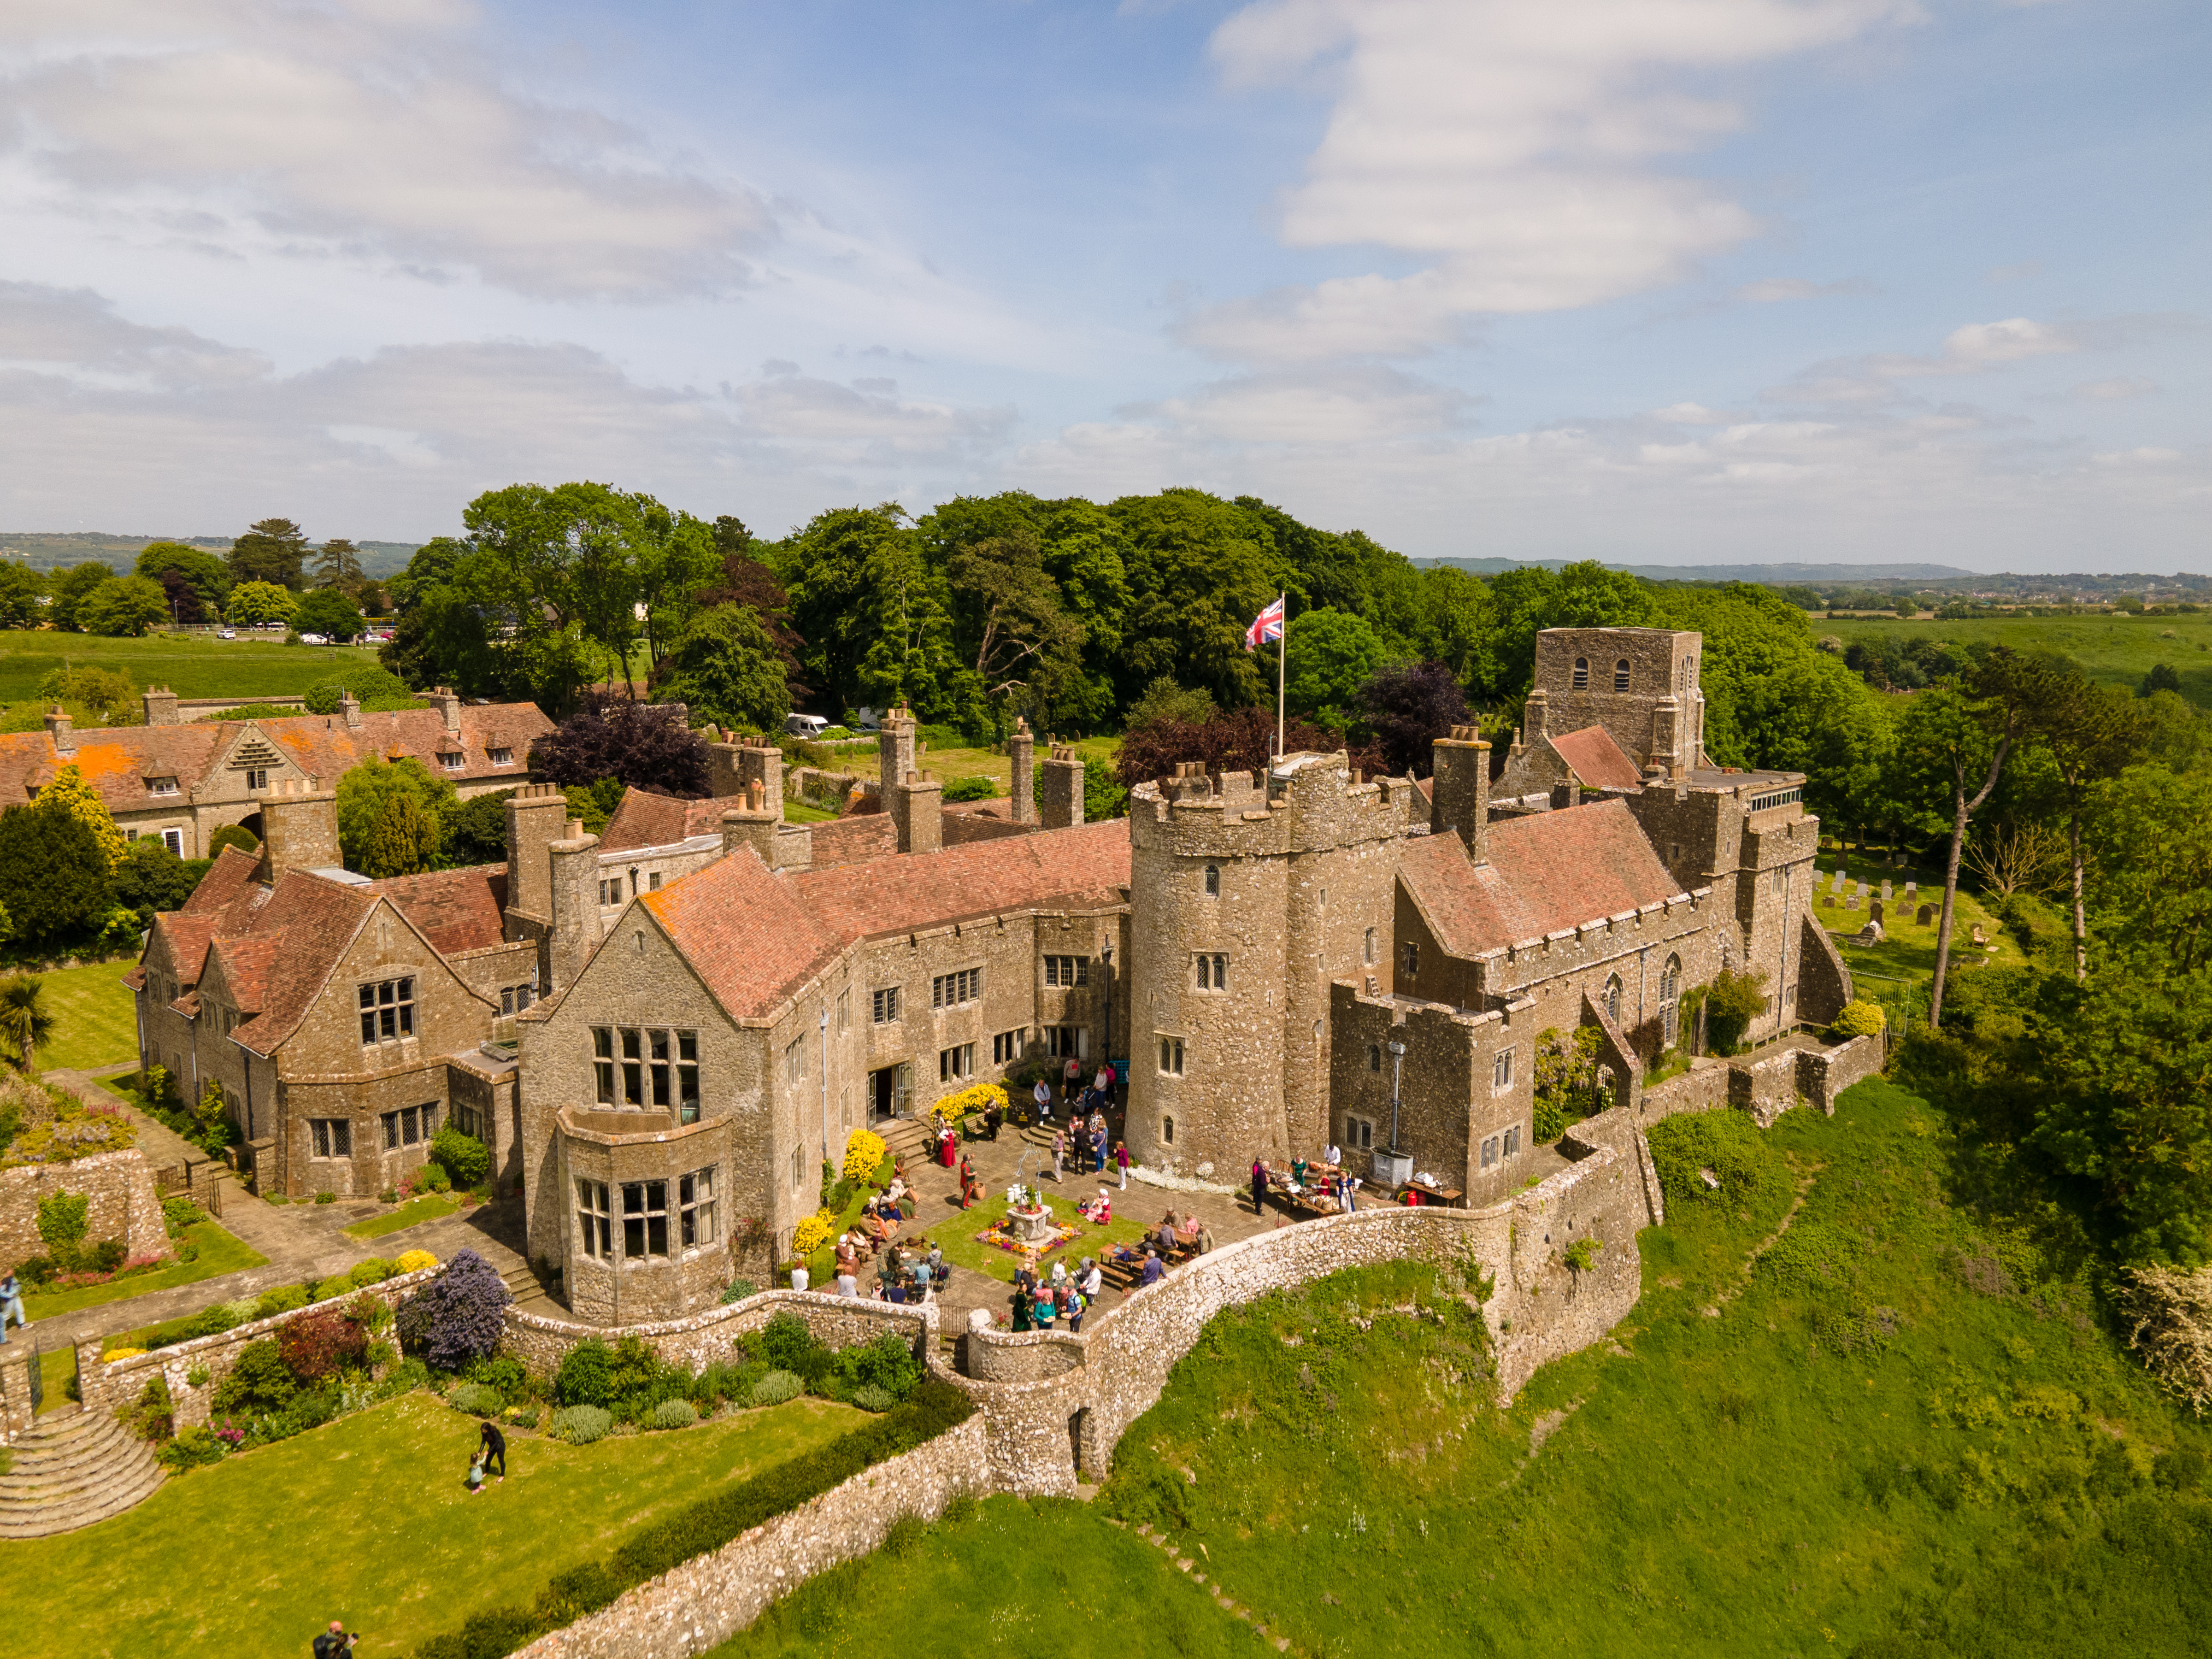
(366, 790)
(1238, 740)
(22, 592)
(272, 550)
(404, 842)
(1408, 706)
(557, 570)
(2149, 840)
(727, 670)
(68, 792)
(328, 612)
(151, 877)
(1331, 654)
(255, 603)
(1024, 647)
(2093, 732)
(208, 575)
(1164, 700)
(644, 744)
(105, 695)
(476, 830)
(124, 608)
(25, 1022)
(745, 580)
(184, 599)
(2162, 678)
(338, 565)
(866, 604)
(71, 588)
(53, 875)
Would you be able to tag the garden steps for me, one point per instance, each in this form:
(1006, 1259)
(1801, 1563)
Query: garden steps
(909, 1138)
(529, 1292)
(74, 1468)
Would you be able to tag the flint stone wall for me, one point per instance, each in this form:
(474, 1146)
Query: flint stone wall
(109, 1384)
(1766, 1088)
(120, 1203)
(1822, 1077)
(702, 1338)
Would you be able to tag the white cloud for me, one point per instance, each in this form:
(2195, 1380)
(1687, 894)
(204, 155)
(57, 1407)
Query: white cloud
(1516, 145)
(2115, 389)
(1346, 405)
(1974, 348)
(1774, 290)
(370, 131)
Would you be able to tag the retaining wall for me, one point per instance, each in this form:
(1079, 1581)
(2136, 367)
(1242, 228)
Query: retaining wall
(703, 1338)
(120, 1203)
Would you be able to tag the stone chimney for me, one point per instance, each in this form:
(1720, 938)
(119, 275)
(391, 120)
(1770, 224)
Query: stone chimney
(160, 704)
(753, 825)
(917, 806)
(536, 816)
(350, 706)
(1021, 749)
(448, 702)
(1063, 788)
(299, 829)
(60, 729)
(575, 934)
(895, 751)
(1459, 790)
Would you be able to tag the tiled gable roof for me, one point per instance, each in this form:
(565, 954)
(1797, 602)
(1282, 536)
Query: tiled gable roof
(743, 932)
(326, 747)
(1595, 758)
(645, 819)
(855, 839)
(116, 761)
(456, 909)
(220, 905)
(1081, 867)
(306, 927)
(1548, 871)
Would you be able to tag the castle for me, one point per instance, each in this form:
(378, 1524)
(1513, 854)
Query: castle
(664, 1029)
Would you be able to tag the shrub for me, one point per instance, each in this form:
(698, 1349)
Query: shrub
(886, 1365)
(326, 1198)
(2168, 1317)
(1726, 1143)
(785, 1343)
(1582, 1255)
(241, 1310)
(283, 1299)
(585, 1376)
(414, 1261)
(905, 1537)
(674, 1414)
(864, 1154)
(211, 1321)
(972, 788)
(738, 1290)
(456, 1317)
(258, 1381)
(463, 1158)
(191, 1450)
(503, 1373)
(335, 1285)
(970, 1102)
(180, 1212)
(1732, 1002)
(776, 1388)
(523, 1417)
(869, 1398)
(580, 1425)
(811, 1234)
(318, 1345)
(476, 1399)
(1859, 1019)
(374, 1271)
(151, 1416)
(62, 1222)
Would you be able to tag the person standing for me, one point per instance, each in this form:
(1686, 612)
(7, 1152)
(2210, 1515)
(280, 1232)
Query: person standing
(334, 1642)
(1090, 1279)
(1059, 1154)
(1258, 1187)
(1122, 1157)
(11, 1304)
(1351, 1195)
(1071, 1076)
(491, 1448)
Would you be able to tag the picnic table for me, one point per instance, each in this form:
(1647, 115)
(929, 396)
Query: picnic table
(1422, 1192)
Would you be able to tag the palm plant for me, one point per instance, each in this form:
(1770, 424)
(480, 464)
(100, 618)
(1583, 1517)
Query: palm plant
(24, 1021)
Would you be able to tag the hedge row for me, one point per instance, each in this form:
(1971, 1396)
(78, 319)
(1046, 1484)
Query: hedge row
(934, 1407)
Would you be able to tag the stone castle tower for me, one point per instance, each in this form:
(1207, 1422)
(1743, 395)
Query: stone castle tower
(1639, 683)
(1246, 900)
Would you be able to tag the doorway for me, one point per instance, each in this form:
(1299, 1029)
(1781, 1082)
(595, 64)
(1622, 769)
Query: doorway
(888, 1088)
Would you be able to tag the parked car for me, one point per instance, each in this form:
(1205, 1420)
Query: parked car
(227, 634)
(313, 638)
(805, 725)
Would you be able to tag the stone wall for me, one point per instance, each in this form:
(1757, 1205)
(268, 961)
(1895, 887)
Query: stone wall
(703, 1603)
(1700, 1088)
(1822, 1076)
(541, 1343)
(120, 1203)
(1766, 1087)
(109, 1384)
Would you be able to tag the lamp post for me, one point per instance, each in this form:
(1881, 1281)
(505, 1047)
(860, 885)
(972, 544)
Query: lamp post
(1395, 1165)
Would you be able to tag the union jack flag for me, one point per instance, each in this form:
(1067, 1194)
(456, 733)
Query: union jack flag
(1268, 625)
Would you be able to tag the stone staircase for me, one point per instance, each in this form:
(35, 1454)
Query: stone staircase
(530, 1293)
(72, 1468)
(909, 1138)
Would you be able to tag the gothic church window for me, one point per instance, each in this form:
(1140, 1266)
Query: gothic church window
(1613, 999)
(1171, 1056)
(1213, 881)
(1374, 1056)
(1670, 994)
(1620, 674)
(1212, 972)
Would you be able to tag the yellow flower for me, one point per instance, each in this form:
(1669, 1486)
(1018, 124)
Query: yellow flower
(122, 1353)
(811, 1234)
(864, 1155)
(413, 1262)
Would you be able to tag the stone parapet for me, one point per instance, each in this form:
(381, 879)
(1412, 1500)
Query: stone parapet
(702, 1338)
(120, 1203)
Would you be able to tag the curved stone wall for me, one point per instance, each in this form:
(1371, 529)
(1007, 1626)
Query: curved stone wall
(701, 1339)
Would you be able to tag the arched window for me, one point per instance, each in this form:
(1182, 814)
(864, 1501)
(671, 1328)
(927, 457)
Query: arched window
(1374, 1056)
(1167, 1132)
(1213, 881)
(1620, 674)
(1682, 675)
(1670, 1000)
(1581, 673)
(1613, 999)
(1368, 948)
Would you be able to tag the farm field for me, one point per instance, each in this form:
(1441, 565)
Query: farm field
(191, 666)
(2112, 650)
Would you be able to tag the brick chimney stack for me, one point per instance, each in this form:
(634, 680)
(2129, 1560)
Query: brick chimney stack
(1063, 788)
(60, 730)
(918, 813)
(1021, 749)
(160, 705)
(1459, 790)
(299, 829)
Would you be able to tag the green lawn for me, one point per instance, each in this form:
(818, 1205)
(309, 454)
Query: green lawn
(1898, 972)
(1878, 1428)
(57, 1366)
(956, 1229)
(367, 1520)
(221, 1253)
(189, 665)
(797, 811)
(95, 1023)
(431, 1206)
(2114, 650)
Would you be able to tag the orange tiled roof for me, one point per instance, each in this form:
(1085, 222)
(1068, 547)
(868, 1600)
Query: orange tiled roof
(306, 927)
(1081, 867)
(456, 909)
(645, 819)
(1593, 758)
(1548, 871)
(746, 933)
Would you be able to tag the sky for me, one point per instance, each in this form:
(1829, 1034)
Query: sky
(1660, 281)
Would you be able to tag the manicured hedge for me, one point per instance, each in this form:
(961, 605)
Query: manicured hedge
(934, 1407)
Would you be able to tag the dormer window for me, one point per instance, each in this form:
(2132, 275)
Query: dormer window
(499, 756)
(451, 759)
(1581, 673)
(161, 785)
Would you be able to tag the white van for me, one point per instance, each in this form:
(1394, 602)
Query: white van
(805, 725)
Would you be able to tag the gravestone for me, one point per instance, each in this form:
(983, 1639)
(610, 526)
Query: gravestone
(1836, 884)
(1827, 901)
(1874, 911)
(1924, 915)
(1869, 935)
(1864, 890)
(1884, 887)
(1911, 888)
(1851, 901)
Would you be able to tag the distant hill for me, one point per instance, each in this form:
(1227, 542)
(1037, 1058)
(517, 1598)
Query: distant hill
(53, 550)
(1777, 575)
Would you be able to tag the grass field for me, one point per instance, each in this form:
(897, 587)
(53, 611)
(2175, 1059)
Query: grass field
(431, 1206)
(955, 1231)
(221, 1253)
(95, 1023)
(1898, 972)
(2112, 650)
(1872, 1430)
(367, 1520)
(189, 665)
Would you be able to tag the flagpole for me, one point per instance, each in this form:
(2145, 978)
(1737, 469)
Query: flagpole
(1282, 656)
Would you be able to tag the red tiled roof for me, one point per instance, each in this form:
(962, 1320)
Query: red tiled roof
(1593, 758)
(855, 839)
(456, 909)
(306, 925)
(224, 897)
(746, 933)
(645, 819)
(1548, 871)
(1083, 866)
(116, 762)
